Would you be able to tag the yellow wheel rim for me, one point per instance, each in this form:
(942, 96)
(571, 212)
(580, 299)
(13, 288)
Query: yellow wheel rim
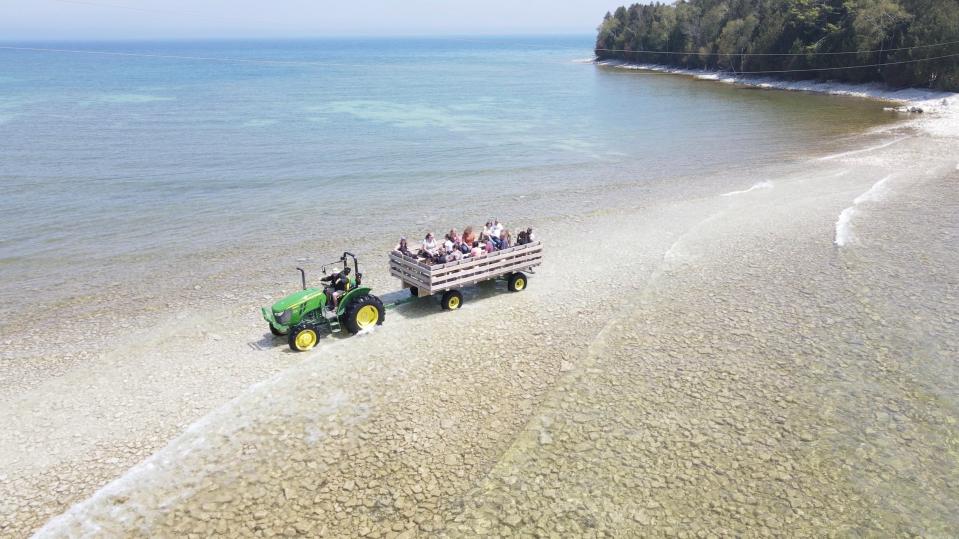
(453, 303)
(519, 284)
(367, 316)
(305, 339)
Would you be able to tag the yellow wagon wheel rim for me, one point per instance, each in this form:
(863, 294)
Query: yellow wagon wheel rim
(305, 339)
(519, 284)
(453, 303)
(367, 316)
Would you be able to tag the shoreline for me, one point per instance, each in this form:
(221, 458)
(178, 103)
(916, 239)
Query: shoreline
(934, 101)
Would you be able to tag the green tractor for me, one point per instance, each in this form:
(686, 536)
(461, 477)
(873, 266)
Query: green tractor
(343, 302)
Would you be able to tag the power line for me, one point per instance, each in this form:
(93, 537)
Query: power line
(811, 69)
(815, 69)
(695, 53)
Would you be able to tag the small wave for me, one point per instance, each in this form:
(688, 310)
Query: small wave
(760, 185)
(844, 233)
(864, 150)
(260, 122)
(133, 98)
(844, 226)
(874, 193)
(584, 60)
(672, 253)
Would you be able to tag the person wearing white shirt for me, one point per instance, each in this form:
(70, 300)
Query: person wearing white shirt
(429, 246)
(497, 229)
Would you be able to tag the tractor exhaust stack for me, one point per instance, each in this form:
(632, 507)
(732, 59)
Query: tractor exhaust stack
(302, 276)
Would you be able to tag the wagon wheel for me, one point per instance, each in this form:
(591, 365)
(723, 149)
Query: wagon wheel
(452, 300)
(517, 282)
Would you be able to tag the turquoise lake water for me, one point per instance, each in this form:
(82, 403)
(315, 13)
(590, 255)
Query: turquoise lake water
(120, 155)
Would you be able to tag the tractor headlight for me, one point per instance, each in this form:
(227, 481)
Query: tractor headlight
(284, 317)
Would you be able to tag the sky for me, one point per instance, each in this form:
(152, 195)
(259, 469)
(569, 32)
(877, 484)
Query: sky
(151, 19)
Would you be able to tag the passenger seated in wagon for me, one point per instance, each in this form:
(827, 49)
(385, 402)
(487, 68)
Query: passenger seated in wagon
(429, 249)
(403, 249)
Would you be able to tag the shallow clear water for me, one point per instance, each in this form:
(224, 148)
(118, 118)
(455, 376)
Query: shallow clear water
(120, 164)
(696, 355)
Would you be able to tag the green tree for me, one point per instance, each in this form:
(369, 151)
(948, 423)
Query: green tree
(800, 36)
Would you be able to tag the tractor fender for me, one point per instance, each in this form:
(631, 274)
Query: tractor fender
(349, 297)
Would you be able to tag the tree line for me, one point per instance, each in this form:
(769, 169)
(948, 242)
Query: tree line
(798, 38)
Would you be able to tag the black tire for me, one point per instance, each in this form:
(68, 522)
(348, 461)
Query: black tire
(517, 282)
(414, 291)
(452, 300)
(299, 338)
(275, 331)
(359, 314)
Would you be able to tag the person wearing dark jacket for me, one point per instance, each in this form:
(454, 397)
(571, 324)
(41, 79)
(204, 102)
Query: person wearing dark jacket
(340, 283)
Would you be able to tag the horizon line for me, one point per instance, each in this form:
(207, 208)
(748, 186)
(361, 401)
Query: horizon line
(304, 37)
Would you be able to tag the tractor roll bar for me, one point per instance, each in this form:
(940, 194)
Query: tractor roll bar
(356, 265)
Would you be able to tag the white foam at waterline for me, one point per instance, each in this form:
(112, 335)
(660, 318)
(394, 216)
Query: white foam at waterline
(843, 227)
(844, 233)
(366, 330)
(759, 185)
(874, 193)
(671, 253)
(864, 150)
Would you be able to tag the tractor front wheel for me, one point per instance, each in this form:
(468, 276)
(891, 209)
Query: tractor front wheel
(517, 282)
(364, 312)
(275, 331)
(452, 300)
(304, 337)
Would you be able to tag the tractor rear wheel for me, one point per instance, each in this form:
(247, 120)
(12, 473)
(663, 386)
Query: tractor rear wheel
(364, 312)
(304, 337)
(452, 300)
(517, 282)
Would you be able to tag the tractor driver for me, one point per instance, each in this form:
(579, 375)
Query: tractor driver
(340, 283)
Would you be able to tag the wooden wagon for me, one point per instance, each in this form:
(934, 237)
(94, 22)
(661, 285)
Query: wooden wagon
(424, 279)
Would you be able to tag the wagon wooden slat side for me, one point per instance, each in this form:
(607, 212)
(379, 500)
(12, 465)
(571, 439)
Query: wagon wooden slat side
(429, 280)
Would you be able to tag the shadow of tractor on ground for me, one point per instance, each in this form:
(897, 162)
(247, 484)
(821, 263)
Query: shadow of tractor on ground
(398, 302)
